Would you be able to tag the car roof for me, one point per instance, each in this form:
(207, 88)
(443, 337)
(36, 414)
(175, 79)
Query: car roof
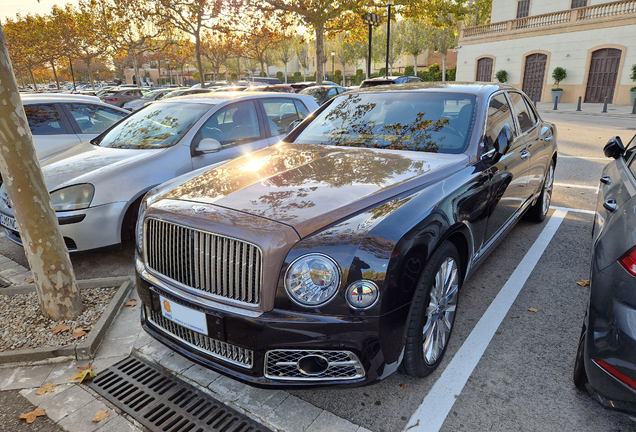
(220, 97)
(475, 88)
(57, 97)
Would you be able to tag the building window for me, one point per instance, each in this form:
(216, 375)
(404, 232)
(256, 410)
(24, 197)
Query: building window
(523, 8)
(578, 3)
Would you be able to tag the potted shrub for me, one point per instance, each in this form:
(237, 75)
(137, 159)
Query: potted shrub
(502, 76)
(558, 75)
(632, 91)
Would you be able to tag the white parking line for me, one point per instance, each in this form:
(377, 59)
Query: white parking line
(572, 185)
(583, 157)
(430, 416)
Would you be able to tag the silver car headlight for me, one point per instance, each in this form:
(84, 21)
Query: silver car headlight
(75, 197)
(312, 280)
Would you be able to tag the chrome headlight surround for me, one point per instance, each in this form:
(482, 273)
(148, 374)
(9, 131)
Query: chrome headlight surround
(76, 197)
(362, 294)
(312, 280)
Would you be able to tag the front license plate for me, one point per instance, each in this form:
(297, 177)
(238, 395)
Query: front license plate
(184, 316)
(9, 222)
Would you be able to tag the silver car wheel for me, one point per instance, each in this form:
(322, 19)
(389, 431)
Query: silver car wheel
(440, 312)
(547, 189)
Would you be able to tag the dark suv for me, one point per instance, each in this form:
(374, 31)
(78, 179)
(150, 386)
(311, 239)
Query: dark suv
(389, 80)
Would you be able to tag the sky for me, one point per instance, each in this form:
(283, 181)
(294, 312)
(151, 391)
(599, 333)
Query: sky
(9, 8)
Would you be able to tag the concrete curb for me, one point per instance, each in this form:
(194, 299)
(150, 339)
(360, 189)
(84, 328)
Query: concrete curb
(86, 349)
(596, 114)
(86, 283)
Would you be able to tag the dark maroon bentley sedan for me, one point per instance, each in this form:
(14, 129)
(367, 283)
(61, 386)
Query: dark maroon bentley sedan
(337, 254)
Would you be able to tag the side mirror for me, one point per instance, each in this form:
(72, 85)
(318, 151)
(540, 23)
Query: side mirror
(614, 148)
(208, 145)
(503, 140)
(292, 125)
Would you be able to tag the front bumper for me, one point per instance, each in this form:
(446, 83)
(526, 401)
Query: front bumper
(266, 349)
(611, 338)
(92, 228)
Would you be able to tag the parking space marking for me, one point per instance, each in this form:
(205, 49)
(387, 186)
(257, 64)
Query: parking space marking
(572, 185)
(568, 209)
(436, 406)
(581, 157)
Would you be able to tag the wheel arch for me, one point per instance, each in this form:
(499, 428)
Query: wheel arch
(129, 219)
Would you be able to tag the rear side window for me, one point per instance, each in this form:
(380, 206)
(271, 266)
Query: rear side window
(523, 117)
(280, 112)
(498, 116)
(302, 109)
(44, 119)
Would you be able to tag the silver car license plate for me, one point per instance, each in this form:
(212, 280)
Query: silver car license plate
(9, 222)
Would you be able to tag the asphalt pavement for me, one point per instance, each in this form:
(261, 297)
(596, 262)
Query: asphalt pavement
(522, 307)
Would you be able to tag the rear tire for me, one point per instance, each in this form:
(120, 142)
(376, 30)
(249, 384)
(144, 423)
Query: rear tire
(539, 210)
(433, 312)
(579, 376)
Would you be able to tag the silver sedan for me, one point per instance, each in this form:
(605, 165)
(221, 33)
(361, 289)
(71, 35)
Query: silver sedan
(96, 187)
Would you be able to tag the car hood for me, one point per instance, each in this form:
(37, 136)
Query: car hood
(84, 162)
(311, 186)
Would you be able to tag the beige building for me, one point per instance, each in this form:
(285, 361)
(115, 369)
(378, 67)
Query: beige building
(593, 40)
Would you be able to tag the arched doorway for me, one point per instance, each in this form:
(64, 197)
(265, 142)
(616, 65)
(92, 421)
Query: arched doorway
(601, 80)
(484, 69)
(533, 76)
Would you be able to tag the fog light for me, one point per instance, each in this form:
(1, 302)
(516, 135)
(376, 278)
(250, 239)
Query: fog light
(362, 294)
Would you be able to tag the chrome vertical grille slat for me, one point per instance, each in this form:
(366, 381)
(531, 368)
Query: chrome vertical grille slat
(220, 266)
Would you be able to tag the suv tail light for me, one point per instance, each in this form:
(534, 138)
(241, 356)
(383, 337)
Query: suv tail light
(111, 99)
(616, 373)
(628, 261)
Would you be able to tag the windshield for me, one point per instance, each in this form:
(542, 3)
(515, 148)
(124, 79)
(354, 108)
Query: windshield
(415, 121)
(158, 126)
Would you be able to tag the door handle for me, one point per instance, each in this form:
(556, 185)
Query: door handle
(525, 154)
(610, 205)
(606, 180)
(548, 138)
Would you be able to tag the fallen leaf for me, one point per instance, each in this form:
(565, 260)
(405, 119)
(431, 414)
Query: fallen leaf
(79, 332)
(31, 281)
(131, 303)
(85, 372)
(583, 283)
(403, 386)
(48, 387)
(60, 328)
(533, 310)
(31, 416)
(100, 415)
(83, 368)
(415, 425)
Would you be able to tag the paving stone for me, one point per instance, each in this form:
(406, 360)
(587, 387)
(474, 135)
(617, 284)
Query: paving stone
(200, 375)
(126, 325)
(36, 399)
(362, 429)
(62, 372)
(100, 365)
(25, 377)
(115, 347)
(66, 402)
(119, 424)
(175, 362)
(327, 422)
(82, 419)
(11, 272)
(155, 350)
(143, 339)
(22, 278)
(228, 388)
(293, 414)
(261, 402)
(8, 265)
(4, 259)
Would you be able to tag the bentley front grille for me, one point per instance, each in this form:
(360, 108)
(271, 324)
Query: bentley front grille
(225, 351)
(300, 365)
(217, 265)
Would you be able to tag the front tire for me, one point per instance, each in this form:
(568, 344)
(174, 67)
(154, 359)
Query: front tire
(433, 312)
(539, 210)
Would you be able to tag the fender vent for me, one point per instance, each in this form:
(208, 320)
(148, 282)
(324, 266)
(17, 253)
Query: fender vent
(161, 402)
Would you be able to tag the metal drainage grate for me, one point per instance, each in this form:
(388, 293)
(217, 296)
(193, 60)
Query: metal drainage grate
(162, 402)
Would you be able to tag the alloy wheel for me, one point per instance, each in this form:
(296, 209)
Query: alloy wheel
(547, 189)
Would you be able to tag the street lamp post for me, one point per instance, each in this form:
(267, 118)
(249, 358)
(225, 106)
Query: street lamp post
(333, 65)
(372, 20)
(388, 39)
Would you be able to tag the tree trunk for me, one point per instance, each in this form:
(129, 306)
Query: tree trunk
(43, 243)
(57, 81)
(35, 85)
(197, 51)
(285, 72)
(415, 64)
(262, 67)
(135, 67)
(320, 52)
(444, 66)
(90, 74)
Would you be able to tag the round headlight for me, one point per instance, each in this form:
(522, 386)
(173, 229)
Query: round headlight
(362, 294)
(312, 280)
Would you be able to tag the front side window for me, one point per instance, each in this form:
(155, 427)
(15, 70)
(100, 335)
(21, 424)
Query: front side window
(280, 112)
(233, 123)
(94, 119)
(413, 121)
(498, 116)
(523, 117)
(160, 125)
(44, 119)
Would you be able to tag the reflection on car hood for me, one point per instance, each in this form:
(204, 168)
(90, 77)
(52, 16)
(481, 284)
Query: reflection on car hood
(311, 186)
(84, 162)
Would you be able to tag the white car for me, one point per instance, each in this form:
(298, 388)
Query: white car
(96, 187)
(61, 121)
